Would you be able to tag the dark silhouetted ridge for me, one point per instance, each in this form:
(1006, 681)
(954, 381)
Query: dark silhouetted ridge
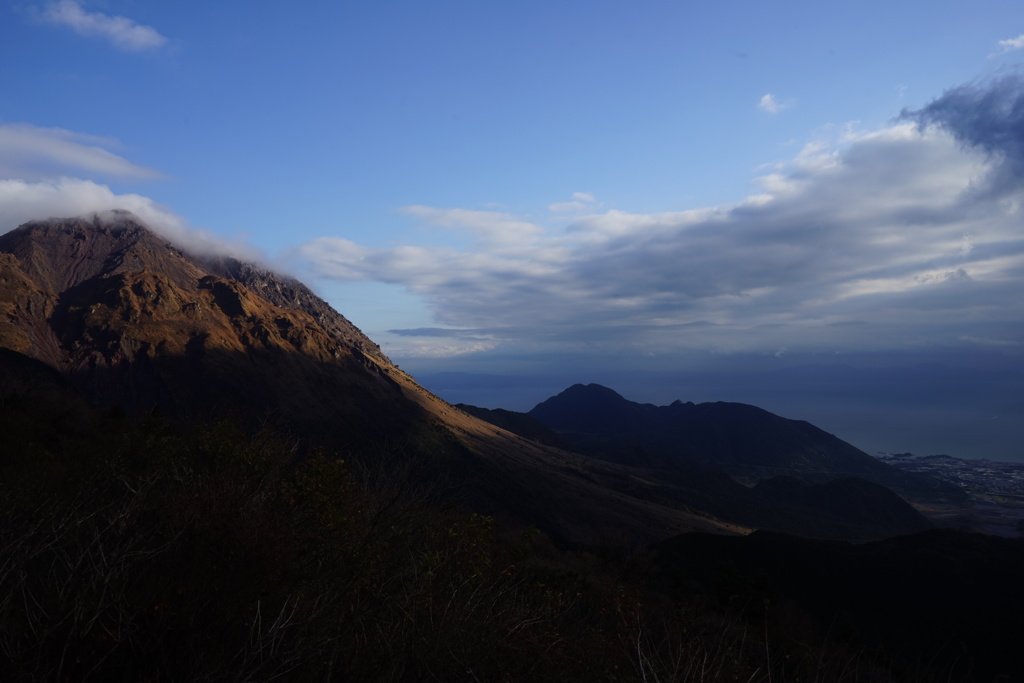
(745, 441)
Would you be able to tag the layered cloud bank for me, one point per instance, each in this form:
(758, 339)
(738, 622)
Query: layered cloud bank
(903, 238)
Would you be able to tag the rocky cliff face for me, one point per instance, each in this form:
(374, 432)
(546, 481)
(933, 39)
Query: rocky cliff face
(57, 256)
(287, 292)
(135, 322)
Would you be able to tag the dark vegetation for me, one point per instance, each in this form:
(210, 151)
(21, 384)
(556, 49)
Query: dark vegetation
(135, 551)
(943, 600)
(139, 549)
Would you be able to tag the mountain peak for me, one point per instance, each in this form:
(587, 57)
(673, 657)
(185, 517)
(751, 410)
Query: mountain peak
(133, 318)
(581, 406)
(592, 390)
(62, 253)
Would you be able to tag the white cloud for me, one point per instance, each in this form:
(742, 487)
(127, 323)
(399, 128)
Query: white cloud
(33, 153)
(431, 348)
(771, 104)
(615, 223)
(38, 169)
(493, 228)
(1012, 44)
(22, 201)
(120, 31)
(876, 240)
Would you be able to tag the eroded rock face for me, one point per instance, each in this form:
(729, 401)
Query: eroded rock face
(137, 323)
(290, 293)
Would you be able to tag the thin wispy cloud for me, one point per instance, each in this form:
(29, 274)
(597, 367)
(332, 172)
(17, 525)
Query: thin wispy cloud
(807, 264)
(40, 177)
(121, 32)
(1011, 44)
(771, 104)
(32, 153)
(581, 202)
(490, 227)
(450, 348)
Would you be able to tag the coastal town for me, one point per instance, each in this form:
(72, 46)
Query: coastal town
(995, 489)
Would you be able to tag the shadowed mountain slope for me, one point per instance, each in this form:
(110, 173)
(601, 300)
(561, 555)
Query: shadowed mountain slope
(845, 507)
(518, 423)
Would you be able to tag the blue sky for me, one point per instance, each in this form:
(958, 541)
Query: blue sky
(682, 200)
